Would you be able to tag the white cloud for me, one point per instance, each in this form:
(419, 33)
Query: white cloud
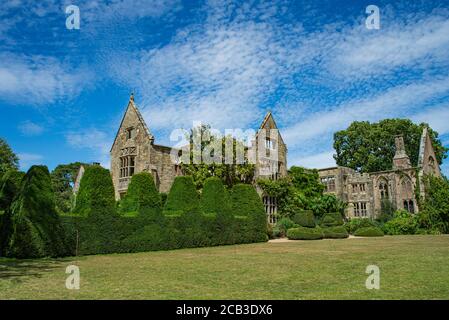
(218, 73)
(420, 41)
(29, 128)
(437, 117)
(316, 161)
(97, 142)
(38, 79)
(26, 160)
(398, 101)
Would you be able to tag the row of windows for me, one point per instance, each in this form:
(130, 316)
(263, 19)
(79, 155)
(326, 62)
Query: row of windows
(329, 183)
(360, 209)
(358, 187)
(127, 166)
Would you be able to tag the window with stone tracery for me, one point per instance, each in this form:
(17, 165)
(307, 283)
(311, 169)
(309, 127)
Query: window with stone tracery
(127, 166)
(383, 189)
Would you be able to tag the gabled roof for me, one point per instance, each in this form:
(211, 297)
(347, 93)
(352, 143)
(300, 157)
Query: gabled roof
(266, 118)
(131, 105)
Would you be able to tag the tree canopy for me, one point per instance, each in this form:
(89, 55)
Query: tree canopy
(8, 159)
(63, 178)
(230, 174)
(370, 147)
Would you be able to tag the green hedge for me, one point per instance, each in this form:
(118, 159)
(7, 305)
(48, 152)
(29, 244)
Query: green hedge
(94, 230)
(337, 232)
(332, 219)
(305, 219)
(356, 223)
(304, 233)
(369, 232)
(141, 193)
(96, 193)
(214, 198)
(182, 196)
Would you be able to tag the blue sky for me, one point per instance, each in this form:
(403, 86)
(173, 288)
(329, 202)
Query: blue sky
(314, 64)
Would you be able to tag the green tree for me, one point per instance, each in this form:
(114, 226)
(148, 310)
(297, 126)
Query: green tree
(141, 193)
(434, 213)
(63, 178)
(37, 230)
(183, 196)
(96, 193)
(370, 147)
(9, 189)
(230, 174)
(8, 159)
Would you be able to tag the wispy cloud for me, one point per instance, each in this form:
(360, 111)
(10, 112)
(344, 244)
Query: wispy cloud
(39, 79)
(26, 160)
(97, 142)
(317, 161)
(29, 128)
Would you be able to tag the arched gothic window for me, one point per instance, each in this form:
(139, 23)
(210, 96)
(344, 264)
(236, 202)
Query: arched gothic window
(383, 189)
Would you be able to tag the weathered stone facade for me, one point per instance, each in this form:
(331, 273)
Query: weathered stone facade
(134, 151)
(366, 194)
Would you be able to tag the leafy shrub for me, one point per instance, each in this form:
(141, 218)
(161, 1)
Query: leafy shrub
(245, 202)
(369, 232)
(214, 198)
(96, 193)
(141, 193)
(182, 196)
(337, 232)
(332, 219)
(284, 224)
(9, 189)
(355, 223)
(37, 230)
(402, 223)
(304, 219)
(304, 233)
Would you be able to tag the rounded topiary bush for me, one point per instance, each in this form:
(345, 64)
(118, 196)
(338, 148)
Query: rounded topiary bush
(337, 232)
(304, 233)
(369, 232)
(182, 196)
(305, 219)
(141, 193)
(246, 203)
(96, 193)
(332, 219)
(37, 230)
(357, 223)
(214, 198)
(215, 201)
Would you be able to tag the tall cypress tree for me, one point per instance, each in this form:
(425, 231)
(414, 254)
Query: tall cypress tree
(36, 227)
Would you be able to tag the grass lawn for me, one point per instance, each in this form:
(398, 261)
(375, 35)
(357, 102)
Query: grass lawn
(411, 267)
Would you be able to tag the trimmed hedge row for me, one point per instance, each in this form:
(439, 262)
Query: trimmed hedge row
(109, 234)
(305, 218)
(304, 233)
(332, 219)
(338, 232)
(369, 232)
(185, 222)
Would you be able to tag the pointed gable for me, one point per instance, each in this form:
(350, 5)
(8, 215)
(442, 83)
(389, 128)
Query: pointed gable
(427, 160)
(132, 119)
(269, 123)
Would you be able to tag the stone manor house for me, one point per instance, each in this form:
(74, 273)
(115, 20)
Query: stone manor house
(367, 193)
(134, 150)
